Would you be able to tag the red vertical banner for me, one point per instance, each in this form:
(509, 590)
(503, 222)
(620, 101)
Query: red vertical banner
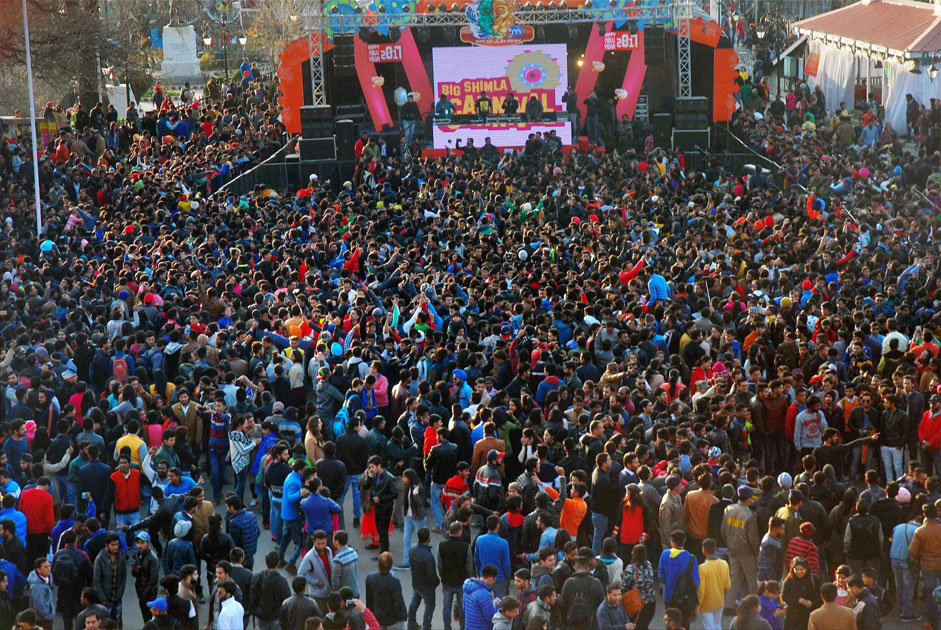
(588, 77)
(371, 83)
(633, 80)
(723, 84)
(415, 71)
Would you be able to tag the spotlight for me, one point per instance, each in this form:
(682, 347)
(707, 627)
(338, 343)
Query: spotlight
(334, 9)
(580, 63)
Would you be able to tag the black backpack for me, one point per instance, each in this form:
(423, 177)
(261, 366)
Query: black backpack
(685, 595)
(64, 569)
(580, 612)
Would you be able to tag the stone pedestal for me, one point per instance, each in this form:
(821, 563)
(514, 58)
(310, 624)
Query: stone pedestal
(180, 54)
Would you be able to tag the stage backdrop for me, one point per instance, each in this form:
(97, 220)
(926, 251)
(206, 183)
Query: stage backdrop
(533, 69)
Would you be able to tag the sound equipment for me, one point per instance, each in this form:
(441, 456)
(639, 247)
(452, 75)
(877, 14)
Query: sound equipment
(691, 138)
(317, 149)
(316, 121)
(653, 45)
(346, 139)
(344, 55)
(692, 112)
(662, 126)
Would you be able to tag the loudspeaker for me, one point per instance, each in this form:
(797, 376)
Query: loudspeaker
(653, 44)
(346, 139)
(690, 139)
(344, 55)
(317, 149)
(692, 112)
(662, 126)
(316, 122)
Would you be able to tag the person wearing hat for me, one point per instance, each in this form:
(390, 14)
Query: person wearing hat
(671, 515)
(742, 539)
(179, 551)
(157, 617)
(929, 434)
(145, 567)
(484, 448)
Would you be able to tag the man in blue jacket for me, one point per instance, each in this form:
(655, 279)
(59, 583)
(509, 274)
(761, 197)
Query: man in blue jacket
(292, 522)
(318, 509)
(673, 563)
(243, 528)
(491, 549)
(478, 599)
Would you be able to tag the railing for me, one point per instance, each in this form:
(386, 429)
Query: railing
(270, 171)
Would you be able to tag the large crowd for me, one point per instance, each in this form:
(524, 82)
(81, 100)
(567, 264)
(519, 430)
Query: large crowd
(575, 386)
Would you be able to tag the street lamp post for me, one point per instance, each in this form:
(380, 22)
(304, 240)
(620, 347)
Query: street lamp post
(32, 122)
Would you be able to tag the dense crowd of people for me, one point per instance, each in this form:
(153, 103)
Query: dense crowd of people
(574, 386)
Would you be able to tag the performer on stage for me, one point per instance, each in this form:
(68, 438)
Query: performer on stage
(484, 105)
(444, 108)
(510, 104)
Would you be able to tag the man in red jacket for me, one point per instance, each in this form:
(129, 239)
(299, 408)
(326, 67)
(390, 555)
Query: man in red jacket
(929, 433)
(36, 504)
(125, 490)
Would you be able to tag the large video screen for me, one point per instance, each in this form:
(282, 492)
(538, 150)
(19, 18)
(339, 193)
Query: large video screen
(461, 73)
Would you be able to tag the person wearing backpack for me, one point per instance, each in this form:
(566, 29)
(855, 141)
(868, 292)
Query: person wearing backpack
(122, 364)
(582, 595)
(71, 572)
(679, 573)
(268, 590)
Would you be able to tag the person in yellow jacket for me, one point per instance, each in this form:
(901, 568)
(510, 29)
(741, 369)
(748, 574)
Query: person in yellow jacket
(714, 581)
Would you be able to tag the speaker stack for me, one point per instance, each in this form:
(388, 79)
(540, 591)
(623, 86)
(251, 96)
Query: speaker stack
(653, 45)
(317, 141)
(346, 139)
(662, 126)
(692, 122)
(344, 57)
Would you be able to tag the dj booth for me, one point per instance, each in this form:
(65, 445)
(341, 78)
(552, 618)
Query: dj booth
(497, 119)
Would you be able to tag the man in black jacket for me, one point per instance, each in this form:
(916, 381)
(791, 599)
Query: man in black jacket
(296, 609)
(267, 592)
(424, 579)
(332, 472)
(384, 593)
(457, 564)
(241, 575)
(604, 500)
(442, 464)
(384, 494)
(353, 451)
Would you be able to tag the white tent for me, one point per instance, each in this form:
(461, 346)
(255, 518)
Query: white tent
(904, 35)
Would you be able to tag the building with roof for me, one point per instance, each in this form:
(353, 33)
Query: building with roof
(901, 36)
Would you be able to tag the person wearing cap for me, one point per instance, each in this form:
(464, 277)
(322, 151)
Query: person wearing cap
(178, 551)
(145, 567)
(157, 617)
(671, 514)
(742, 539)
(929, 434)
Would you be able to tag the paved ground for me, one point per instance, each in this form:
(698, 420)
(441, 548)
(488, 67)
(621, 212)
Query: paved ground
(367, 564)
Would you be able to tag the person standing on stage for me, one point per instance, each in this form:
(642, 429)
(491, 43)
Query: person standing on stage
(410, 116)
(484, 105)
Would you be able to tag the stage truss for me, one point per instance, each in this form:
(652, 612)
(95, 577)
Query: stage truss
(673, 15)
